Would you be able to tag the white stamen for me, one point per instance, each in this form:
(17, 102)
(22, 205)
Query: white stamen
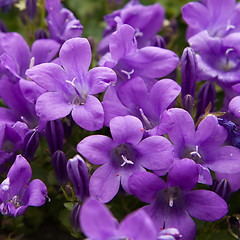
(170, 201)
(138, 33)
(32, 62)
(5, 184)
(195, 152)
(125, 161)
(128, 73)
(145, 119)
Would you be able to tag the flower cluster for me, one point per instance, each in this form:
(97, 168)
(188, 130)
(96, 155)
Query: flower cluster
(113, 121)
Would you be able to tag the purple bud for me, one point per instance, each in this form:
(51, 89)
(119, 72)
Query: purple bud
(158, 41)
(59, 162)
(31, 8)
(41, 34)
(222, 188)
(75, 217)
(3, 28)
(30, 144)
(207, 94)
(188, 103)
(54, 134)
(188, 73)
(78, 174)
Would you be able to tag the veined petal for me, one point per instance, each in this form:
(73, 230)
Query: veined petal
(44, 50)
(156, 153)
(52, 106)
(145, 185)
(97, 221)
(157, 62)
(184, 174)
(206, 205)
(96, 148)
(19, 176)
(138, 225)
(99, 78)
(121, 42)
(89, 115)
(162, 94)
(127, 129)
(49, 76)
(35, 193)
(104, 183)
(75, 56)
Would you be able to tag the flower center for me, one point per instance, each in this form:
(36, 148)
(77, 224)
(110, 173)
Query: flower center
(192, 154)
(123, 155)
(146, 121)
(171, 194)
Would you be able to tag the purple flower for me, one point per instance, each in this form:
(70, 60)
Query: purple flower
(98, 223)
(204, 146)
(123, 155)
(217, 21)
(72, 88)
(146, 20)
(61, 22)
(133, 98)
(171, 203)
(128, 61)
(16, 193)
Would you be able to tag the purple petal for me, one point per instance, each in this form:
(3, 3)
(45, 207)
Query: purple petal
(44, 50)
(156, 153)
(89, 115)
(35, 193)
(7, 116)
(97, 221)
(206, 205)
(121, 42)
(157, 62)
(234, 106)
(19, 175)
(138, 225)
(225, 159)
(205, 176)
(126, 129)
(145, 185)
(184, 174)
(112, 106)
(183, 131)
(104, 183)
(96, 148)
(99, 78)
(49, 76)
(162, 94)
(75, 56)
(210, 134)
(52, 106)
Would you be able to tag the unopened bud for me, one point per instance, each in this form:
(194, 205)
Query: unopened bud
(41, 34)
(75, 217)
(78, 173)
(207, 94)
(188, 73)
(222, 188)
(31, 8)
(188, 103)
(30, 144)
(59, 162)
(54, 135)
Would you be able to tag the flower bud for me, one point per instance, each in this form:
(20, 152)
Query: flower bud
(31, 8)
(78, 173)
(188, 73)
(222, 188)
(30, 144)
(75, 217)
(207, 94)
(158, 41)
(59, 162)
(54, 134)
(41, 34)
(3, 28)
(188, 103)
